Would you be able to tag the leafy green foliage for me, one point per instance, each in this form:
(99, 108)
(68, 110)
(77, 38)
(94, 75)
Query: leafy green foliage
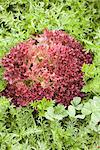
(42, 106)
(93, 107)
(19, 19)
(77, 127)
(56, 113)
(92, 78)
(54, 129)
(2, 81)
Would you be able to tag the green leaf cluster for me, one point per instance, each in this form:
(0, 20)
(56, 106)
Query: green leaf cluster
(22, 128)
(2, 81)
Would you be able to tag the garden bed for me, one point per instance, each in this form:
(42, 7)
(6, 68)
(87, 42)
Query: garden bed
(49, 75)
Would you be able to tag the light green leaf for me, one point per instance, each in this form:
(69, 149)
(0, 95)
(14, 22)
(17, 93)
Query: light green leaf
(80, 116)
(49, 114)
(58, 112)
(76, 101)
(71, 111)
(86, 110)
(79, 107)
(95, 104)
(2, 85)
(95, 117)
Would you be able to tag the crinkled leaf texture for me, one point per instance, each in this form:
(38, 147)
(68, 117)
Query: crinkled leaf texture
(47, 65)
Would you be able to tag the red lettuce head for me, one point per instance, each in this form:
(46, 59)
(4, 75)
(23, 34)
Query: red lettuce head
(47, 65)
